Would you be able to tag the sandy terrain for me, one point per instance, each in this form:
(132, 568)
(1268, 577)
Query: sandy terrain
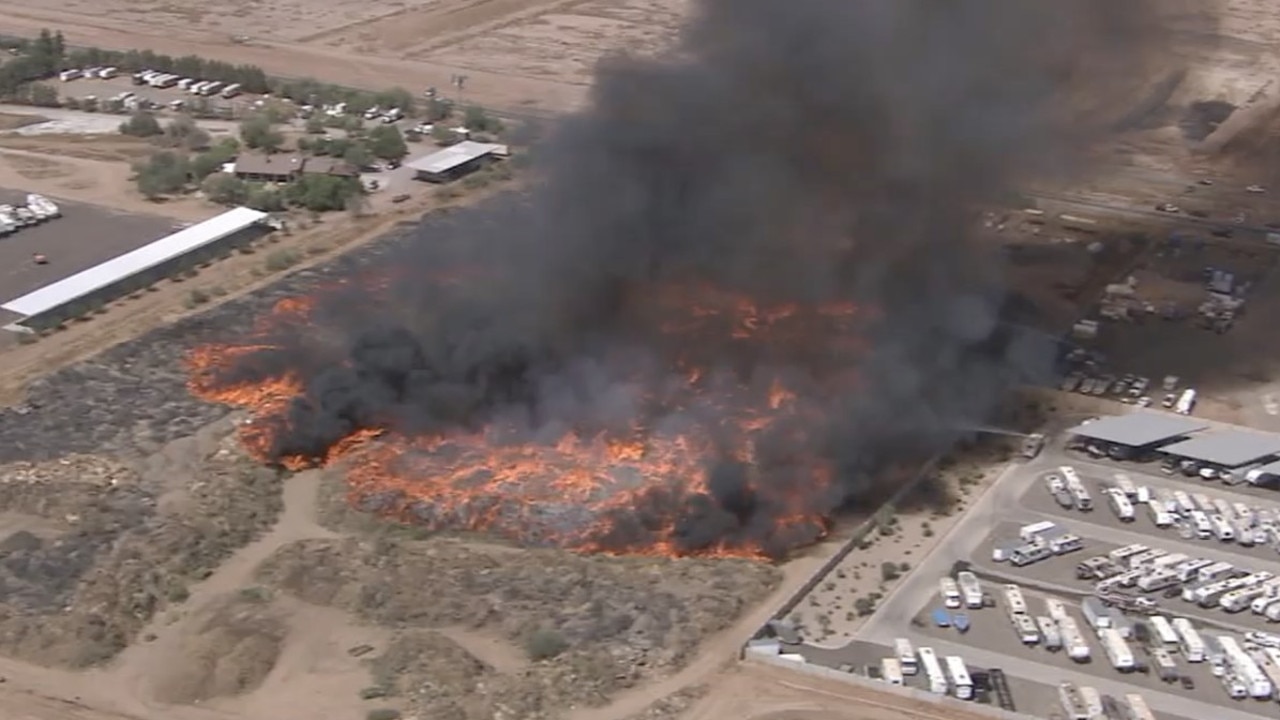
(827, 616)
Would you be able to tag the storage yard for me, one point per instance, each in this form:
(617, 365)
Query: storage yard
(1096, 582)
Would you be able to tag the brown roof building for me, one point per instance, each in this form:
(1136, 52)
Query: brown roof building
(281, 167)
(328, 166)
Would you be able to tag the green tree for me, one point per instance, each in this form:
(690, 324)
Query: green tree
(185, 133)
(141, 124)
(356, 155)
(315, 125)
(437, 110)
(386, 142)
(212, 160)
(257, 133)
(474, 118)
(321, 193)
(43, 95)
(395, 98)
(265, 199)
(225, 189)
(444, 135)
(165, 173)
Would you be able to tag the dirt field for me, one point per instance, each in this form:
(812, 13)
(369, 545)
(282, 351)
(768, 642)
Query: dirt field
(530, 56)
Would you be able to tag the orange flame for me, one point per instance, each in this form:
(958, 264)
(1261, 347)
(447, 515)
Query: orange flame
(570, 492)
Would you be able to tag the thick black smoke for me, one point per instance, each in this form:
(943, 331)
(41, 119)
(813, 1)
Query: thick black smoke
(808, 151)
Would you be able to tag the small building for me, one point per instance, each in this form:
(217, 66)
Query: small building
(336, 167)
(262, 167)
(76, 295)
(454, 162)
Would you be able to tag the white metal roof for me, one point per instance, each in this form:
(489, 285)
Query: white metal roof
(451, 157)
(122, 266)
(1139, 428)
(1229, 448)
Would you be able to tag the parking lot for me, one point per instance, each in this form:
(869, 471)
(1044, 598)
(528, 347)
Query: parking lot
(84, 236)
(1021, 497)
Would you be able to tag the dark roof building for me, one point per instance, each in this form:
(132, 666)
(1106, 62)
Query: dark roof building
(280, 167)
(1138, 429)
(329, 166)
(1226, 448)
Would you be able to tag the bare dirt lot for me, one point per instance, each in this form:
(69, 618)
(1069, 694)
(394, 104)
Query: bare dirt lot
(519, 55)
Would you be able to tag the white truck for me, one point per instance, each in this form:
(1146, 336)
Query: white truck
(1186, 402)
(949, 590)
(1032, 532)
(1095, 613)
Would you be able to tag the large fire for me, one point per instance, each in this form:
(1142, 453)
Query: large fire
(644, 487)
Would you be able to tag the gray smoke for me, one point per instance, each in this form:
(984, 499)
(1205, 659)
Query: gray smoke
(809, 152)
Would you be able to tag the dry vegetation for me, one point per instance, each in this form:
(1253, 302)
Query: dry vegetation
(594, 625)
(106, 547)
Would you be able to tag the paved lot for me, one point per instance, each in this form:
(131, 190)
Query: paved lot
(1018, 498)
(84, 236)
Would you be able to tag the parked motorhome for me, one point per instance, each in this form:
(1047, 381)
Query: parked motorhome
(1049, 633)
(1158, 580)
(1214, 572)
(1120, 505)
(1163, 630)
(1014, 600)
(905, 653)
(1028, 533)
(1096, 613)
(937, 679)
(970, 589)
(961, 683)
(1122, 555)
(1192, 645)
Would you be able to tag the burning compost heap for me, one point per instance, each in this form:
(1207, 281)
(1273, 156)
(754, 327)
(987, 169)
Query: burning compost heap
(738, 297)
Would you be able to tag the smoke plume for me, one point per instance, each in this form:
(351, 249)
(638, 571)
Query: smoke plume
(810, 154)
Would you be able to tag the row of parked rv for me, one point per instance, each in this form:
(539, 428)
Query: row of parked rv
(194, 86)
(944, 675)
(1204, 582)
(37, 210)
(93, 73)
(1036, 542)
(386, 115)
(1196, 514)
(1082, 702)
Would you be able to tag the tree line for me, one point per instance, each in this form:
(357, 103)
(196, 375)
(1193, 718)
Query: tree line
(47, 54)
